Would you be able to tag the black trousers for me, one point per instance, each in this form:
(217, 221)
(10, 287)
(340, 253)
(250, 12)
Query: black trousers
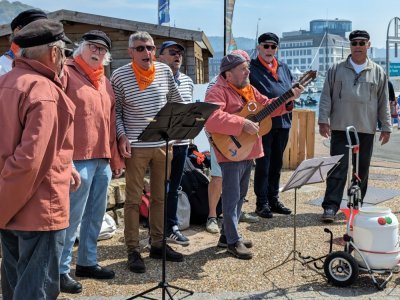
(268, 168)
(336, 181)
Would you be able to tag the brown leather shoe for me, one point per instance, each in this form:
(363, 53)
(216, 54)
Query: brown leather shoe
(239, 250)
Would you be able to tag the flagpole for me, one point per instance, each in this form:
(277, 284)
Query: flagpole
(224, 27)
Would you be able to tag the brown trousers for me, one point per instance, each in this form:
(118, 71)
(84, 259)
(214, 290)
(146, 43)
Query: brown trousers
(136, 167)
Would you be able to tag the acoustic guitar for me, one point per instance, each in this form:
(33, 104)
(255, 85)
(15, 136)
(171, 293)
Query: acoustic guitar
(237, 148)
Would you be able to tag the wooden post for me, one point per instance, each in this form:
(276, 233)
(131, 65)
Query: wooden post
(301, 138)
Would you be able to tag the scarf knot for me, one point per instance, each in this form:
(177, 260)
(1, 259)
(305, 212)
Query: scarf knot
(272, 68)
(95, 76)
(144, 77)
(247, 92)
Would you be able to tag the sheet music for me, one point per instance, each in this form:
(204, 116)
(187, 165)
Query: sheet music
(311, 171)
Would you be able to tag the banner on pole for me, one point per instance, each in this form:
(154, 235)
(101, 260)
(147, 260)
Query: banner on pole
(163, 12)
(230, 41)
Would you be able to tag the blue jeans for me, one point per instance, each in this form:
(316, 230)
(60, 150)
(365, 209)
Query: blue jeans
(178, 161)
(235, 183)
(268, 168)
(31, 260)
(88, 205)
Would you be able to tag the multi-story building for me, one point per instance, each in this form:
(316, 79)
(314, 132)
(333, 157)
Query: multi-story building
(317, 49)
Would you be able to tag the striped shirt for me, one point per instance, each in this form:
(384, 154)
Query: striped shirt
(135, 108)
(185, 87)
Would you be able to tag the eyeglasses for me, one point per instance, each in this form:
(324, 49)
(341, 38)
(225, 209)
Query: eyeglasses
(355, 43)
(141, 48)
(94, 48)
(175, 52)
(266, 46)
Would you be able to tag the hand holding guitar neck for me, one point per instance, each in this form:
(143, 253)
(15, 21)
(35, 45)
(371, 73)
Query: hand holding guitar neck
(296, 90)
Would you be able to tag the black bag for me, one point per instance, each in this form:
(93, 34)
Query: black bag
(195, 184)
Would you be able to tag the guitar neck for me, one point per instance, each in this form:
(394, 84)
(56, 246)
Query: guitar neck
(269, 109)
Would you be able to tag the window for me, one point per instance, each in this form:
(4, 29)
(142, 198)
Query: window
(296, 61)
(303, 61)
(289, 61)
(321, 50)
(308, 51)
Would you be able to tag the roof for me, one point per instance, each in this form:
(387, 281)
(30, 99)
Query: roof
(171, 32)
(333, 39)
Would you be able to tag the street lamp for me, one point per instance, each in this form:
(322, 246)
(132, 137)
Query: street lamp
(390, 40)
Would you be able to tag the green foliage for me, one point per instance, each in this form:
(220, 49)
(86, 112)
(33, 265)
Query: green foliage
(9, 10)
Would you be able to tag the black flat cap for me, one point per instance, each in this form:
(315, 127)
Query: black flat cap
(359, 35)
(40, 32)
(27, 16)
(98, 37)
(268, 37)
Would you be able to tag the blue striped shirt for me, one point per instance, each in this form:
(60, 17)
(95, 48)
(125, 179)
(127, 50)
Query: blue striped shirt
(135, 108)
(185, 87)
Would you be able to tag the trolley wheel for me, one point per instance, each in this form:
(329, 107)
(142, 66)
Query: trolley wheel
(341, 268)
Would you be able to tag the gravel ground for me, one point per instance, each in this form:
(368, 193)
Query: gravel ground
(208, 269)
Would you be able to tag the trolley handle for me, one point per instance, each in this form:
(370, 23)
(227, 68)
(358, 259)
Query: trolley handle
(352, 129)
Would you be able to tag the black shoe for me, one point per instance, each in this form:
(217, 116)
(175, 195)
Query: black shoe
(136, 263)
(177, 237)
(171, 254)
(264, 212)
(329, 215)
(222, 243)
(279, 208)
(95, 272)
(69, 285)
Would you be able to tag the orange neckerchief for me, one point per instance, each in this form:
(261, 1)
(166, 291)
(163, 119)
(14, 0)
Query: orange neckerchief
(273, 69)
(247, 92)
(143, 77)
(14, 48)
(95, 76)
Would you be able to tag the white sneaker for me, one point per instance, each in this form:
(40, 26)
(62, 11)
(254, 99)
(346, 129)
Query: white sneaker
(212, 225)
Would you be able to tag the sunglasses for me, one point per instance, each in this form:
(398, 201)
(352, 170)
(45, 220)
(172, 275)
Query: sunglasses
(94, 48)
(141, 48)
(266, 46)
(64, 51)
(175, 52)
(361, 43)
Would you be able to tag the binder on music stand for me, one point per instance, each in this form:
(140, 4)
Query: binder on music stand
(175, 121)
(309, 171)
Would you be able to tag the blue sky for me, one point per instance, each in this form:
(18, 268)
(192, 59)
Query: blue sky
(276, 16)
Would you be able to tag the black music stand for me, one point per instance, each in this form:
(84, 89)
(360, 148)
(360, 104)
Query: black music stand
(175, 121)
(308, 172)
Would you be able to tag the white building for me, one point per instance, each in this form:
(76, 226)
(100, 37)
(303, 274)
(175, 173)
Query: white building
(318, 48)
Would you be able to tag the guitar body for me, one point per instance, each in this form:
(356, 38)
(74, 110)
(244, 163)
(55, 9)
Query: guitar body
(237, 148)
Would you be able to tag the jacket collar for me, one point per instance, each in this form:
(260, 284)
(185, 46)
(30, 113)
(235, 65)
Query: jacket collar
(367, 67)
(38, 67)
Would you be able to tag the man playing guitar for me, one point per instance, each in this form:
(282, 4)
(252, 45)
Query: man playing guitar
(232, 92)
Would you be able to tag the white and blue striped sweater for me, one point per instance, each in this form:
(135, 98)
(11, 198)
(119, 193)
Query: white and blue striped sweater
(135, 108)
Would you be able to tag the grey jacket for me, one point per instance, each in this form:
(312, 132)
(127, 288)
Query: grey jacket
(359, 100)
